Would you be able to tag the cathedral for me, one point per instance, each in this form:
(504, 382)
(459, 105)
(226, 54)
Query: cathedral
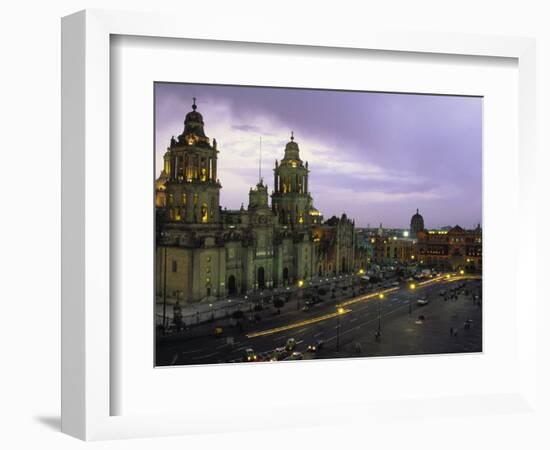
(206, 253)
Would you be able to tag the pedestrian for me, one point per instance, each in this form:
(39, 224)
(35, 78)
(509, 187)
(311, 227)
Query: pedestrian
(177, 316)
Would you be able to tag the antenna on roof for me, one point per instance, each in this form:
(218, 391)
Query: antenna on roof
(260, 164)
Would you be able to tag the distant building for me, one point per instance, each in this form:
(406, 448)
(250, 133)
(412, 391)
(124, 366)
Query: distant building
(392, 249)
(455, 248)
(417, 224)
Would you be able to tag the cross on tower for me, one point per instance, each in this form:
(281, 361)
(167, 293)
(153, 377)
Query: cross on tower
(292, 135)
(194, 105)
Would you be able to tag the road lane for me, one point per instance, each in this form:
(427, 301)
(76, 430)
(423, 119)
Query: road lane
(362, 319)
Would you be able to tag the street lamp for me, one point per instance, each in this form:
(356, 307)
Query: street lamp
(298, 294)
(380, 298)
(340, 311)
(413, 287)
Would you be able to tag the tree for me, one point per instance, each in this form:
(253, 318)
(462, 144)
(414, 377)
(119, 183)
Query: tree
(237, 314)
(278, 303)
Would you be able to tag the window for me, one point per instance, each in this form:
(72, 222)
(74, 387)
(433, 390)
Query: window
(174, 265)
(171, 200)
(204, 215)
(184, 199)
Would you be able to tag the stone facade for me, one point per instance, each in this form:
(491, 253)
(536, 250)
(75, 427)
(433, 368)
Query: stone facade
(456, 248)
(206, 253)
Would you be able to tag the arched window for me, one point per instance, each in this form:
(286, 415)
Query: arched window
(204, 213)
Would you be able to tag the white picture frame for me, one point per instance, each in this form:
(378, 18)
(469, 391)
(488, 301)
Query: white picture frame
(86, 246)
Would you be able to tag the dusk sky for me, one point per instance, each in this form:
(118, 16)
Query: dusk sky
(375, 156)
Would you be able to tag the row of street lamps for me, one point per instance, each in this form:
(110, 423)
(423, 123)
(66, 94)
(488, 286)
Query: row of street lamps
(378, 335)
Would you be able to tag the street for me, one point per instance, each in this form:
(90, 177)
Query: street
(444, 325)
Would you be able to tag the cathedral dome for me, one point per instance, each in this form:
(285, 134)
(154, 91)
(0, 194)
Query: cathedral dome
(194, 123)
(417, 224)
(292, 151)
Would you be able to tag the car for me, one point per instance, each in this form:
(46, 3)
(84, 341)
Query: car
(306, 308)
(395, 283)
(422, 301)
(279, 354)
(442, 293)
(318, 345)
(295, 356)
(250, 355)
(290, 344)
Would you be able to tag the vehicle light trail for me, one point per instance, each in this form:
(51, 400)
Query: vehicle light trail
(297, 324)
(348, 303)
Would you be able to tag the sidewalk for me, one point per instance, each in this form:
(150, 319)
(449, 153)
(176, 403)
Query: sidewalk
(205, 311)
(266, 318)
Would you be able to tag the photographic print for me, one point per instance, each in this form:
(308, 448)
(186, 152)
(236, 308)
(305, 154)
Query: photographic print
(300, 224)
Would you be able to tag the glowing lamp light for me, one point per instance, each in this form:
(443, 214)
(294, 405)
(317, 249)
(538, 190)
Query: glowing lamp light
(462, 272)
(413, 286)
(300, 283)
(381, 296)
(341, 310)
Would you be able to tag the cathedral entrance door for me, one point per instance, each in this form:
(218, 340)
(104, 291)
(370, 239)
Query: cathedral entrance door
(231, 285)
(261, 278)
(285, 276)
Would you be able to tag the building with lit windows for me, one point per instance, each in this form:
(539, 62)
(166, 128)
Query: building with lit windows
(206, 252)
(456, 248)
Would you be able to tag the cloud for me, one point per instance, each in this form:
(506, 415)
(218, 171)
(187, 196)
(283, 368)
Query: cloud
(373, 163)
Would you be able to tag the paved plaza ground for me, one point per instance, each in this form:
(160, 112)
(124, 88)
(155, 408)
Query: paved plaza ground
(347, 335)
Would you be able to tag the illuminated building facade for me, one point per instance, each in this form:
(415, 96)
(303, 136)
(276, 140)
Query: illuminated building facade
(456, 248)
(392, 249)
(206, 252)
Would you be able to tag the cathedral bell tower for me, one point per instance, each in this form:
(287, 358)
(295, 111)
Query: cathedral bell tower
(190, 167)
(291, 201)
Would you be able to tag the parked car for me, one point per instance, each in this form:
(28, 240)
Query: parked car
(422, 301)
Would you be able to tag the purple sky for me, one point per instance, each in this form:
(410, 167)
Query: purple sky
(375, 156)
